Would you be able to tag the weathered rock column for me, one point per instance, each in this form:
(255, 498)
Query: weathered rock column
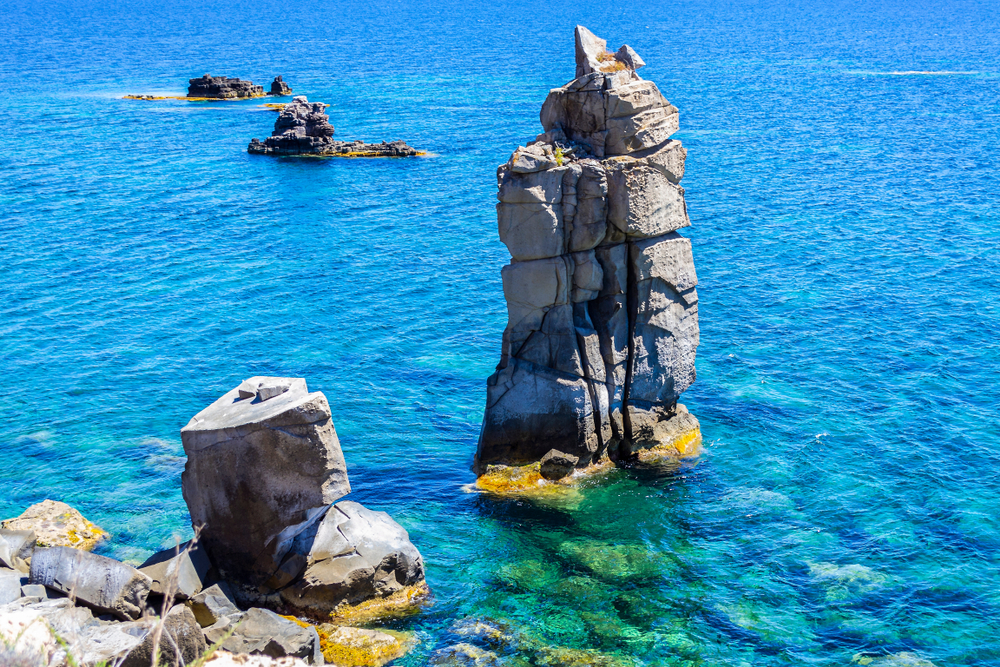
(602, 308)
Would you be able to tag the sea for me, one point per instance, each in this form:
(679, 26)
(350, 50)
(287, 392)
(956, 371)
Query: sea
(843, 182)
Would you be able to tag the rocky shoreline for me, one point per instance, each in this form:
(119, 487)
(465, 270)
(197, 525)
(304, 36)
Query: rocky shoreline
(303, 128)
(280, 565)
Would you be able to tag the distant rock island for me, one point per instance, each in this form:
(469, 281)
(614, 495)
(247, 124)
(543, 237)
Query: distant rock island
(223, 88)
(214, 88)
(602, 307)
(303, 128)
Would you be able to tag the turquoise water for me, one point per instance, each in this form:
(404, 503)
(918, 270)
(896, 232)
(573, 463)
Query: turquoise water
(847, 241)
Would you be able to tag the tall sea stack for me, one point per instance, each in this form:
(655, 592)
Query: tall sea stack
(602, 308)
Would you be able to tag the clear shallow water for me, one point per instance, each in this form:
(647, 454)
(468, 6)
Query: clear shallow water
(847, 243)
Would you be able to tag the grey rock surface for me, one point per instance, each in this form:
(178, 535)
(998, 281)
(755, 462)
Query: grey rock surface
(183, 567)
(181, 641)
(213, 604)
(353, 554)
(259, 471)
(102, 583)
(601, 289)
(556, 464)
(263, 632)
(11, 582)
(40, 592)
(221, 87)
(303, 128)
(15, 548)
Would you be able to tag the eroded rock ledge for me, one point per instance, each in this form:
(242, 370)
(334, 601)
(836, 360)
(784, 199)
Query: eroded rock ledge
(303, 128)
(601, 289)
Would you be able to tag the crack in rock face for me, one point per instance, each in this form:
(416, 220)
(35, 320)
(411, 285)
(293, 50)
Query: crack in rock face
(601, 289)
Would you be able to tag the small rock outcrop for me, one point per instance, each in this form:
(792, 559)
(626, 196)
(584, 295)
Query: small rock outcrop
(303, 128)
(602, 307)
(279, 87)
(263, 464)
(102, 583)
(223, 88)
(56, 524)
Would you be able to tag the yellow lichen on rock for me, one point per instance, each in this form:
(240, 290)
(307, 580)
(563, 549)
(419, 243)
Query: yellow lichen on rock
(346, 646)
(527, 479)
(57, 525)
(152, 98)
(686, 445)
(404, 602)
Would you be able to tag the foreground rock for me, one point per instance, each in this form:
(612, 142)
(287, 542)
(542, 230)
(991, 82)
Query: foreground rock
(214, 604)
(102, 583)
(15, 548)
(602, 307)
(303, 128)
(279, 87)
(227, 659)
(223, 88)
(264, 463)
(91, 641)
(183, 569)
(358, 647)
(263, 632)
(264, 467)
(56, 524)
(352, 555)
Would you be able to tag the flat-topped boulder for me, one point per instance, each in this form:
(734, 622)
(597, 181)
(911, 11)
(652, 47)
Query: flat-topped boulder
(263, 463)
(223, 88)
(303, 128)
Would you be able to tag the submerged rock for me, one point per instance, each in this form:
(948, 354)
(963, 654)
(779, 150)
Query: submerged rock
(56, 524)
(264, 463)
(223, 88)
(279, 87)
(464, 655)
(303, 128)
(601, 291)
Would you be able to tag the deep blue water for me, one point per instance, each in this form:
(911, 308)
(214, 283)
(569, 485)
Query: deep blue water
(846, 235)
